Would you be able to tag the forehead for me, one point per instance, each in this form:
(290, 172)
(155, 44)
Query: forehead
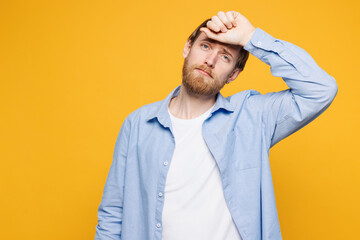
(233, 49)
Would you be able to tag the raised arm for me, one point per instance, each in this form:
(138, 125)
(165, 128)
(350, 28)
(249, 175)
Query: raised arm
(311, 89)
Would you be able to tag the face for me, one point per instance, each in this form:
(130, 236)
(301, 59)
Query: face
(208, 66)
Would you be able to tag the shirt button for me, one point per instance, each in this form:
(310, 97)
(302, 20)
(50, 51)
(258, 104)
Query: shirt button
(158, 225)
(259, 43)
(160, 194)
(165, 163)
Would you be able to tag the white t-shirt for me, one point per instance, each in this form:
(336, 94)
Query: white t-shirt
(194, 207)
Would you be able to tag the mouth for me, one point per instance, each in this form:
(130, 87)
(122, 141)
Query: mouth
(203, 72)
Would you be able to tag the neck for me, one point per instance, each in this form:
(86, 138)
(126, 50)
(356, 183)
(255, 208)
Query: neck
(186, 106)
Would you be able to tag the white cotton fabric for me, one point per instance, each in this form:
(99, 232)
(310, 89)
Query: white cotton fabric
(194, 207)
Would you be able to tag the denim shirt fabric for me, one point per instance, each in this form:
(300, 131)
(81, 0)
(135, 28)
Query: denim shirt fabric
(239, 133)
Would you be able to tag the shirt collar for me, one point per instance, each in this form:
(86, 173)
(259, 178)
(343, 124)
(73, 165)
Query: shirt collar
(162, 114)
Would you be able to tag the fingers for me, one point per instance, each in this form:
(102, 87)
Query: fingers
(209, 33)
(217, 24)
(224, 19)
(231, 18)
(222, 22)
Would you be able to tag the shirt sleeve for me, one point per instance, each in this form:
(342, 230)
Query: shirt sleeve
(110, 210)
(311, 89)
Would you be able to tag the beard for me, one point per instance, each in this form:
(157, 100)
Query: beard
(197, 84)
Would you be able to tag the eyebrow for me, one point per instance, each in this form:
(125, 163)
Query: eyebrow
(214, 41)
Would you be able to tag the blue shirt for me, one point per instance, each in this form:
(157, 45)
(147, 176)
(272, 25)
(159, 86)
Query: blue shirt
(239, 133)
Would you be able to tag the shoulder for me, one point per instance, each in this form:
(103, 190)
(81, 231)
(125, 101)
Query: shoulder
(245, 94)
(248, 96)
(257, 98)
(143, 112)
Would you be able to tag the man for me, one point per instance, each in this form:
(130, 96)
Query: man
(195, 166)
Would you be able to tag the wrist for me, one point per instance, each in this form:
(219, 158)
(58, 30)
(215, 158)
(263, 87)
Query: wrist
(247, 37)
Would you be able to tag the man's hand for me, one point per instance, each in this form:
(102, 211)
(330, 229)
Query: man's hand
(230, 28)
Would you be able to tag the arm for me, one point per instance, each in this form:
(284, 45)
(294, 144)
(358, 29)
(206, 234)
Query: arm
(311, 89)
(111, 206)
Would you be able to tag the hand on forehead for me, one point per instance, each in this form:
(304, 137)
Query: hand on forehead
(203, 37)
(229, 28)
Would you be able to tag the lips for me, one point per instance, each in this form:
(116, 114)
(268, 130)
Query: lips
(204, 72)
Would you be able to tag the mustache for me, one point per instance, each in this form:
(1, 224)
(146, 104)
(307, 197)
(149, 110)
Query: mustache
(206, 69)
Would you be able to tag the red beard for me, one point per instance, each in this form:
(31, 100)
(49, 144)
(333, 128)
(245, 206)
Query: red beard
(197, 84)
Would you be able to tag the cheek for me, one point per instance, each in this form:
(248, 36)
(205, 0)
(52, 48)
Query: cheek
(225, 72)
(197, 56)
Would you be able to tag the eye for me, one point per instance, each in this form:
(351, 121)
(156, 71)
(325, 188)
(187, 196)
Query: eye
(204, 45)
(226, 58)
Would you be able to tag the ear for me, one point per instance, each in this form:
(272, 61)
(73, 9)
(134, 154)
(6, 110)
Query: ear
(234, 74)
(187, 48)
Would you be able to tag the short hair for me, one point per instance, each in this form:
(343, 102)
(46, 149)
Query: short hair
(243, 56)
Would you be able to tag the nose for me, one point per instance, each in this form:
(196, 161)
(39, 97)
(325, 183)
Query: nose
(211, 59)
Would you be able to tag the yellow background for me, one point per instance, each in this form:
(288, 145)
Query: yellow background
(71, 71)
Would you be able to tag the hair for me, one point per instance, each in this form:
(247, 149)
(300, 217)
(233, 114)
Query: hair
(243, 56)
